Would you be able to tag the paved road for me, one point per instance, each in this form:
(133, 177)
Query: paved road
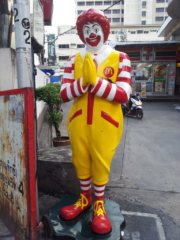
(145, 171)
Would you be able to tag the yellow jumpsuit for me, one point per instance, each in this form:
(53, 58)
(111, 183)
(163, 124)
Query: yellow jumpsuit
(95, 127)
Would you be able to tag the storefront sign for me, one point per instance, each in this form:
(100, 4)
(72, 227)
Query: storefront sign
(147, 54)
(143, 89)
(51, 47)
(165, 54)
(134, 54)
(158, 86)
(148, 86)
(160, 79)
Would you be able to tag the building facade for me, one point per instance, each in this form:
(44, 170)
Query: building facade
(130, 20)
(153, 66)
(170, 30)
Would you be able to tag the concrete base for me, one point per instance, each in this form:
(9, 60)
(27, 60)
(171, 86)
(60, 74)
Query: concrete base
(56, 173)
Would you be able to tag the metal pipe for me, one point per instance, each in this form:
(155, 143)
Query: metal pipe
(23, 43)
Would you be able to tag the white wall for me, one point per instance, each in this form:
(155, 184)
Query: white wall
(8, 74)
(41, 80)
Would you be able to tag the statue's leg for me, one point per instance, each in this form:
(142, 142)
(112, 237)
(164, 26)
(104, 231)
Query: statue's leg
(100, 223)
(83, 203)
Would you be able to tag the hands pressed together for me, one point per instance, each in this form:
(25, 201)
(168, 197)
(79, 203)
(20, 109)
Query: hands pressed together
(89, 71)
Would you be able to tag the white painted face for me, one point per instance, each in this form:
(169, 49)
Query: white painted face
(93, 35)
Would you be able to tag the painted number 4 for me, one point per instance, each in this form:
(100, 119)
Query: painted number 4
(21, 189)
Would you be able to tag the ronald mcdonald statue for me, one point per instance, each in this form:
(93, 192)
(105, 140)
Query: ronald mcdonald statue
(98, 81)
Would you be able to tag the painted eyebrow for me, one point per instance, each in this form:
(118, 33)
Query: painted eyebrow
(95, 25)
(86, 27)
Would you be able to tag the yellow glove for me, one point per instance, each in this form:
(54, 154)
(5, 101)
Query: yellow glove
(89, 71)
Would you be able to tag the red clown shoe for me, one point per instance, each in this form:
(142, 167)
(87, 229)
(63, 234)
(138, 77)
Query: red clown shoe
(75, 210)
(100, 223)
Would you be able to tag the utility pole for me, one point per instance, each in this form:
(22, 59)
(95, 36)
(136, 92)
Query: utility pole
(4, 24)
(23, 43)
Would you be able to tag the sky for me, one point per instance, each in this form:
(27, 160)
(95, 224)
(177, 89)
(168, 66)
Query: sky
(63, 14)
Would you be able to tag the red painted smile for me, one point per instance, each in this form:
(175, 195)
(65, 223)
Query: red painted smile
(93, 41)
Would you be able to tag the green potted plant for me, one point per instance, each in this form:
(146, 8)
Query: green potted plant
(50, 95)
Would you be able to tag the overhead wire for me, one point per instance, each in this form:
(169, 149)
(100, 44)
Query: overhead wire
(75, 26)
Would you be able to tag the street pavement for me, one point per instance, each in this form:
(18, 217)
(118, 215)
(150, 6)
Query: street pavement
(145, 178)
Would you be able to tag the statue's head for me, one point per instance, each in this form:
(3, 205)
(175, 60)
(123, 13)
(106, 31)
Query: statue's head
(93, 27)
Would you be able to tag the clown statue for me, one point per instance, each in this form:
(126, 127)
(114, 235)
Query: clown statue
(97, 79)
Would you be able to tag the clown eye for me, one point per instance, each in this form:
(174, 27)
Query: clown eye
(87, 32)
(96, 30)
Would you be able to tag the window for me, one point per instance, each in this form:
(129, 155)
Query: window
(143, 13)
(107, 3)
(159, 9)
(79, 12)
(98, 3)
(122, 10)
(153, 30)
(159, 1)
(159, 18)
(116, 11)
(143, 22)
(139, 31)
(122, 19)
(89, 3)
(143, 4)
(109, 19)
(116, 3)
(107, 11)
(63, 45)
(113, 32)
(116, 19)
(81, 3)
(146, 32)
(80, 45)
(73, 44)
(133, 32)
(63, 57)
(122, 2)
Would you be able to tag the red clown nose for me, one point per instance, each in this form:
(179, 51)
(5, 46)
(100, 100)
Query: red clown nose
(92, 35)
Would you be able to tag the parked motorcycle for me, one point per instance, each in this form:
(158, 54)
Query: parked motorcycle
(136, 107)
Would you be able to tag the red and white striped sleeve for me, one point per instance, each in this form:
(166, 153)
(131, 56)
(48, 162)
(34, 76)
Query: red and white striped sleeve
(70, 88)
(121, 90)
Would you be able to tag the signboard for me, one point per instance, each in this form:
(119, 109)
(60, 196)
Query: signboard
(158, 86)
(143, 89)
(51, 47)
(17, 163)
(147, 54)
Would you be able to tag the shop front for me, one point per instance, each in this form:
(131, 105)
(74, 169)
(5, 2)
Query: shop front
(153, 68)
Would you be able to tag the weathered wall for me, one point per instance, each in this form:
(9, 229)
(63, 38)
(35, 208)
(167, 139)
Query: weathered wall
(56, 173)
(8, 75)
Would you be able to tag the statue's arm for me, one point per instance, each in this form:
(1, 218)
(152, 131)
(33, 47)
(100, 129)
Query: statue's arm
(121, 89)
(70, 88)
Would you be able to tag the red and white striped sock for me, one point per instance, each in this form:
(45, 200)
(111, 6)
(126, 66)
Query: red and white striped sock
(85, 184)
(99, 192)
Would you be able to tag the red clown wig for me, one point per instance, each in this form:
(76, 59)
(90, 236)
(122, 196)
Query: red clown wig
(90, 16)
